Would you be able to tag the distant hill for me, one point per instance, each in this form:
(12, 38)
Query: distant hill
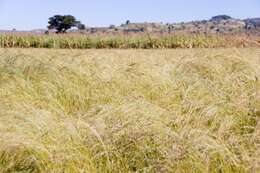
(217, 24)
(220, 17)
(253, 23)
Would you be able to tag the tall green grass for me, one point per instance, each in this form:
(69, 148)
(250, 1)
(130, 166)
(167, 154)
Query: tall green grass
(129, 110)
(137, 41)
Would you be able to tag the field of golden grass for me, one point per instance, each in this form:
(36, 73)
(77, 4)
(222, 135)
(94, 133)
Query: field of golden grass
(124, 111)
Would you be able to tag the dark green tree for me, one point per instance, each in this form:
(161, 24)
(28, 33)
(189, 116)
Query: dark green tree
(62, 23)
(81, 26)
(127, 22)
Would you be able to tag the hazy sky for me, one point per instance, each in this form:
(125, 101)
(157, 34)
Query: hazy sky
(34, 14)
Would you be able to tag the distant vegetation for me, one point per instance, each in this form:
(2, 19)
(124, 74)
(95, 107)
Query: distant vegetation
(136, 41)
(62, 23)
(217, 24)
(220, 17)
(220, 24)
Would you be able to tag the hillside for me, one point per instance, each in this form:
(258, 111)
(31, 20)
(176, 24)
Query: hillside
(217, 24)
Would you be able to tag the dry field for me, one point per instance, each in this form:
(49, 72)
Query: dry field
(124, 111)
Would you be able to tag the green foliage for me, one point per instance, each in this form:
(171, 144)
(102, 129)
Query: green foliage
(61, 23)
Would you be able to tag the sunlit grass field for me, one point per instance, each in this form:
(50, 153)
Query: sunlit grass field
(70, 111)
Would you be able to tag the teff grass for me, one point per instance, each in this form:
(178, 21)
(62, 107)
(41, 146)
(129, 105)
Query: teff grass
(129, 110)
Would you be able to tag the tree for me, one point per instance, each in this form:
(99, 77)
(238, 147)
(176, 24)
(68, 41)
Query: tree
(127, 22)
(81, 26)
(112, 26)
(62, 23)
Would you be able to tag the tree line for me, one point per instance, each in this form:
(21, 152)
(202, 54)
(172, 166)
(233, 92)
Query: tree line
(62, 23)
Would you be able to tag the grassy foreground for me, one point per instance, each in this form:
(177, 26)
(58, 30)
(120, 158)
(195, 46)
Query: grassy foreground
(129, 110)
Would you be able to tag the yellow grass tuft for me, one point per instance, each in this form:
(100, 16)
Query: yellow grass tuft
(129, 110)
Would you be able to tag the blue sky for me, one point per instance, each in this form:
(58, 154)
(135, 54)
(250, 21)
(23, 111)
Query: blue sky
(33, 14)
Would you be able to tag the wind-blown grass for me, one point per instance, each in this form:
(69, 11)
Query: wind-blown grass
(129, 110)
